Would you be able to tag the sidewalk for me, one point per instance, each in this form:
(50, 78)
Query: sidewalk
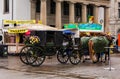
(86, 70)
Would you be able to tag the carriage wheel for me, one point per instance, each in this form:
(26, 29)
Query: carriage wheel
(39, 58)
(38, 61)
(75, 57)
(62, 57)
(31, 55)
(23, 54)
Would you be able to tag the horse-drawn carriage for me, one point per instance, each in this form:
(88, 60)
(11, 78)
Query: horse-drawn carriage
(93, 41)
(49, 44)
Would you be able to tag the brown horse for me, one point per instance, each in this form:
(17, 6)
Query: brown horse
(97, 45)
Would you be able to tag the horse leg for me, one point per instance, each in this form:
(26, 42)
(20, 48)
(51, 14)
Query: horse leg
(98, 57)
(105, 56)
(108, 54)
(90, 51)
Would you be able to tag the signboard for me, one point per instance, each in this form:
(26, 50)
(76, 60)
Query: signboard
(90, 27)
(21, 22)
(85, 27)
(17, 30)
(9, 22)
(70, 26)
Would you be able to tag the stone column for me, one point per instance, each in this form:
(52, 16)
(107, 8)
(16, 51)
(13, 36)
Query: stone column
(71, 12)
(96, 9)
(106, 19)
(58, 14)
(33, 9)
(43, 14)
(84, 13)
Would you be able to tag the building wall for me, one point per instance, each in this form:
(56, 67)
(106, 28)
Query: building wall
(65, 18)
(101, 16)
(21, 10)
(114, 18)
(2, 14)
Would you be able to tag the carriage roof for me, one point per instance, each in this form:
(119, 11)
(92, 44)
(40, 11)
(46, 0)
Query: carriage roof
(33, 27)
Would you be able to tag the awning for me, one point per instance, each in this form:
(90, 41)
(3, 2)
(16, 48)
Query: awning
(36, 27)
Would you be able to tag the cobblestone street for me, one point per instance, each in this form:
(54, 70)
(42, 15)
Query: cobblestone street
(12, 67)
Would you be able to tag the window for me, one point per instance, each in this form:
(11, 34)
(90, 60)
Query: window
(119, 9)
(52, 7)
(89, 11)
(9, 38)
(38, 6)
(50, 37)
(66, 8)
(119, 12)
(6, 6)
(78, 9)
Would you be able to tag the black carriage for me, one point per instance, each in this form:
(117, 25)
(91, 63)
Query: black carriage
(51, 43)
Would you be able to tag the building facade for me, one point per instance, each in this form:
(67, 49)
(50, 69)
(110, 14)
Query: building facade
(59, 12)
(14, 10)
(115, 17)
(55, 13)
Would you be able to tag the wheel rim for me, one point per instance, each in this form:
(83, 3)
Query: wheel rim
(23, 54)
(38, 61)
(31, 56)
(74, 57)
(39, 58)
(62, 57)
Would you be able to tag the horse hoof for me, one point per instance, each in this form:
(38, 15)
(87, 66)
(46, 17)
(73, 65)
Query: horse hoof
(94, 62)
(104, 61)
(83, 61)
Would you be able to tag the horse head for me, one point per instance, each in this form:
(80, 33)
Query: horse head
(109, 38)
